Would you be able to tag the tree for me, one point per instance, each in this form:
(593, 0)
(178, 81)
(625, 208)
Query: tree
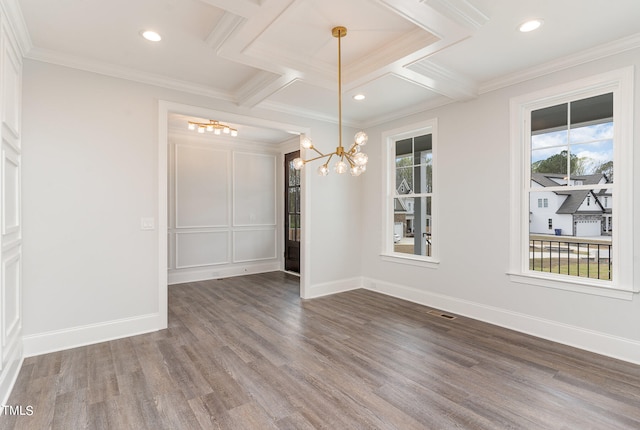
(606, 168)
(557, 163)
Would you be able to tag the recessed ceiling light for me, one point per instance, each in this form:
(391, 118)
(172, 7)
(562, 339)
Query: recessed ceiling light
(359, 97)
(532, 24)
(151, 35)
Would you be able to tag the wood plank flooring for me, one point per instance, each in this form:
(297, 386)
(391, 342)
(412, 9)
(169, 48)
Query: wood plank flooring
(248, 353)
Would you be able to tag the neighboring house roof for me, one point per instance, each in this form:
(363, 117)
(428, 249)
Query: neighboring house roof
(572, 202)
(574, 198)
(544, 179)
(399, 206)
(404, 187)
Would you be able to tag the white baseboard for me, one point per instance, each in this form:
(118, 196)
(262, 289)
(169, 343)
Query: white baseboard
(58, 340)
(327, 288)
(10, 374)
(578, 337)
(182, 276)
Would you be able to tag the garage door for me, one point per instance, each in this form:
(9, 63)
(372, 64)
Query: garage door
(588, 228)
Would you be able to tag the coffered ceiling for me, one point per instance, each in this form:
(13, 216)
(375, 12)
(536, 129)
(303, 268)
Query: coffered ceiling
(404, 55)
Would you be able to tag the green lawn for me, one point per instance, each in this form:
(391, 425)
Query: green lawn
(583, 268)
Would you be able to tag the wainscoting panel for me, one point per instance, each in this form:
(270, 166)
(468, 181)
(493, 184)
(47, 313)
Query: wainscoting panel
(11, 193)
(254, 189)
(201, 187)
(11, 302)
(223, 201)
(252, 245)
(10, 210)
(194, 249)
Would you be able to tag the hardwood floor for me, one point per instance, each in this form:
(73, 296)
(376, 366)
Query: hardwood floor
(248, 353)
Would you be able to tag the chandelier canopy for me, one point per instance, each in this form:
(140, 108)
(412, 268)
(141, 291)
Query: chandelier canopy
(351, 159)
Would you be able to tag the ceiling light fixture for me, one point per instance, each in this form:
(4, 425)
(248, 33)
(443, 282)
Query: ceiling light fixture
(151, 36)
(214, 126)
(359, 97)
(352, 159)
(532, 24)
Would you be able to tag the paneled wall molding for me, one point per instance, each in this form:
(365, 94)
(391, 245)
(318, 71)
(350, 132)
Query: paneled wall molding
(223, 209)
(11, 345)
(245, 251)
(215, 241)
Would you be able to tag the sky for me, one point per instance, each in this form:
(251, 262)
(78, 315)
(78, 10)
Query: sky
(594, 143)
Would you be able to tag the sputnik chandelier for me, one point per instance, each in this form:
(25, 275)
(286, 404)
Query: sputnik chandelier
(352, 159)
(215, 126)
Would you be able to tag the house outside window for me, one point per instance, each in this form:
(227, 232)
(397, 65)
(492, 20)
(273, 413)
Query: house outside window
(566, 142)
(410, 233)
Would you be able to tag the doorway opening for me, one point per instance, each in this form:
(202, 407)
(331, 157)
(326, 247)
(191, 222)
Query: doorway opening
(291, 214)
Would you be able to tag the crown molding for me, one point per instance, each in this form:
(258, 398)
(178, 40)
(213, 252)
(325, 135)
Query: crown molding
(441, 80)
(409, 111)
(17, 25)
(599, 52)
(107, 69)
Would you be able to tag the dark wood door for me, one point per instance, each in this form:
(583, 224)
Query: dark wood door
(291, 214)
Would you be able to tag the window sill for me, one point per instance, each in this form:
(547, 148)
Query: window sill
(594, 288)
(431, 263)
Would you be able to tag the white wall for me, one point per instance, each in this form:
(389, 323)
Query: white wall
(91, 173)
(90, 156)
(473, 172)
(332, 221)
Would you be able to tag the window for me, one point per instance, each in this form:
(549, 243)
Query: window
(410, 233)
(566, 142)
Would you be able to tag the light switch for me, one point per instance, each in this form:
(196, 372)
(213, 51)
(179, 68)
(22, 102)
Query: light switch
(147, 224)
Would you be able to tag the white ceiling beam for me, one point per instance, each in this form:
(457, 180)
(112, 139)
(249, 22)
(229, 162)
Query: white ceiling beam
(261, 87)
(244, 8)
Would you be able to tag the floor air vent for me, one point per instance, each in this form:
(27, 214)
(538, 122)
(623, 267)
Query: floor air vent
(441, 315)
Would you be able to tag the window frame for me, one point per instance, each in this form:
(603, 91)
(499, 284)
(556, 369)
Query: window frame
(620, 83)
(389, 139)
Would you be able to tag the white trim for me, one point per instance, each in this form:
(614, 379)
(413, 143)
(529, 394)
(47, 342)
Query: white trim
(566, 62)
(58, 340)
(412, 260)
(580, 285)
(388, 185)
(333, 287)
(163, 212)
(195, 275)
(620, 82)
(578, 337)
